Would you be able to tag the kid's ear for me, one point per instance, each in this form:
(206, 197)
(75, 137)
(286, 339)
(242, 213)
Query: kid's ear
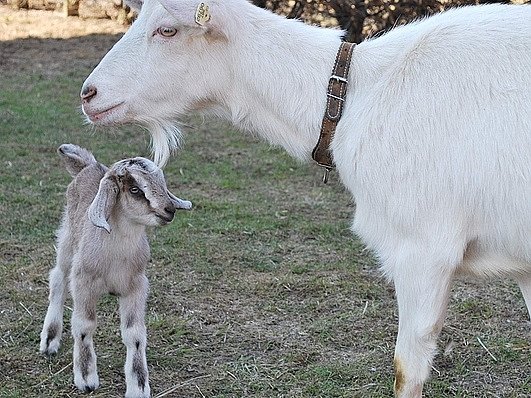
(180, 203)
(75, 158)
(100, 209)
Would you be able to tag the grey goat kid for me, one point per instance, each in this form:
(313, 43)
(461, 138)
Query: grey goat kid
(102, 247)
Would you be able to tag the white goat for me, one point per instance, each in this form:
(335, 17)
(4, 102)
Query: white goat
(129, 196)
(434, 143)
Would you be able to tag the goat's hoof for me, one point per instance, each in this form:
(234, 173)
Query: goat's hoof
(142, 395)
(49, 353)
(50, 348)
(89, 388)
(138, 392)
(51, 338)
(88, 384)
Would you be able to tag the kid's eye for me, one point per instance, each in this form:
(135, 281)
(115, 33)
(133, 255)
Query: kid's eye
(134, 190)
(166, 31)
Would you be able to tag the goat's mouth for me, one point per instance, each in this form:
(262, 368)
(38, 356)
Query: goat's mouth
(109, 115)
(163, 220)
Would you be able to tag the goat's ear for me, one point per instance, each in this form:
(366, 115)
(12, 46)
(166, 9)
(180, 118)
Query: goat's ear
(75, 158)
(101, 207)
(180, 203)
(189, 12)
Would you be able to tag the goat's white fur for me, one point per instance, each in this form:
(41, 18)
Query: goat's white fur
(97, 260)
(434, 144)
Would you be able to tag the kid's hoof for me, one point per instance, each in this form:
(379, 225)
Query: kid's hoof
(90, 388)
(89, 384)
(50, 348)
(138, 392)
(50, 339)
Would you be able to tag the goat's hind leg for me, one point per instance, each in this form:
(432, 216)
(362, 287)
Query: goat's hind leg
(52, 328)
(85, 294)
(524, 283)
(132, 311)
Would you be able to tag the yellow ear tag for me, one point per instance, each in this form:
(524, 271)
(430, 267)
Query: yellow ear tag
(202, 14)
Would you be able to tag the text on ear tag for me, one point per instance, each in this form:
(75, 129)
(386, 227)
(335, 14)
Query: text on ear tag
(202, 14)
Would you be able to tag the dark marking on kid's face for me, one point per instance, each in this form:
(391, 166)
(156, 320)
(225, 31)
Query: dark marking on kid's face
(138, 162)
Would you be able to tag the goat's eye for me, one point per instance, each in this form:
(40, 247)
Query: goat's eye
(166, 31)
(134, 190)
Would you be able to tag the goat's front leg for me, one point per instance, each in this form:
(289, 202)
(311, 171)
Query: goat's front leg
(524, 282)
(52, 328)
(132, 311)
(85, 294)
(422, 289)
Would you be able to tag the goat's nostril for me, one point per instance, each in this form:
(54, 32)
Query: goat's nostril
(88, 93)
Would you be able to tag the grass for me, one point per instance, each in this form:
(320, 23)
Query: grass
(260, 291)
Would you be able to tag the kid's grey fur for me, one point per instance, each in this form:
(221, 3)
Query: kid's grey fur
(102, 247)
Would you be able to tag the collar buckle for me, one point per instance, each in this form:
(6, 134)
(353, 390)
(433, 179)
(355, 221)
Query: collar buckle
(326, 173)
(339, 79)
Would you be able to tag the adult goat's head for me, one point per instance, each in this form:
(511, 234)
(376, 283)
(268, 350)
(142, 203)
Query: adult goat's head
(135, 188)
(165, 65)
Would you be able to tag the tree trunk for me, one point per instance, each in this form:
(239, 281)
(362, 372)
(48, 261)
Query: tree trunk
(70, 8)
(350, 15)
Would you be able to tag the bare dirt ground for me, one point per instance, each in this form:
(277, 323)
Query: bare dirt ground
(44, 44)
(23, 24)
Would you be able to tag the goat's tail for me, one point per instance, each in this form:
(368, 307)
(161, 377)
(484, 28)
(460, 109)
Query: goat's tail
(75, 158)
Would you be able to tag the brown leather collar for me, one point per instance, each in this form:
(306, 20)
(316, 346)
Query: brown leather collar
(337, 90)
